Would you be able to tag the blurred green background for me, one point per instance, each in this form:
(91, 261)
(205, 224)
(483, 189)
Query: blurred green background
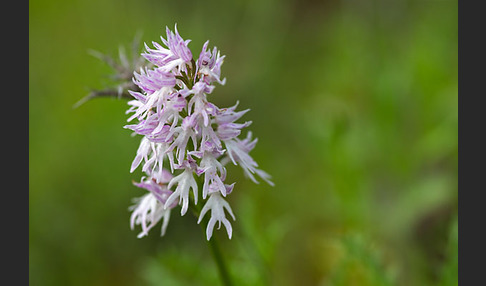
(355, 107)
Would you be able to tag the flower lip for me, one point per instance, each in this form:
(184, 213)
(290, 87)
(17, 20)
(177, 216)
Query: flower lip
(217, 205)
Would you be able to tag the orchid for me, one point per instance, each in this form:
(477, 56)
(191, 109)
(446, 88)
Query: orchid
(179, 124)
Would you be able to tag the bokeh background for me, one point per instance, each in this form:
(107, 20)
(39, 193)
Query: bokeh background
(355, 107)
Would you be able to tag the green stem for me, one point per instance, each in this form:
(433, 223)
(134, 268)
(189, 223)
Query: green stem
(218, 258)
(213, 246)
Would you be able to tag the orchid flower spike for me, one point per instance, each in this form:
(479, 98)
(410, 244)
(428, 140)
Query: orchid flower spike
(185, 136)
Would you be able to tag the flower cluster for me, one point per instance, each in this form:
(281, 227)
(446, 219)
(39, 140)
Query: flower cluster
(186, 138)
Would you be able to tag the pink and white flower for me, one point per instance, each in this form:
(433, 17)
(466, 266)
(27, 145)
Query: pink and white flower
(172, 109)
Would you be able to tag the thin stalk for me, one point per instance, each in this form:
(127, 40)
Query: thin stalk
(218, 258)
(213, 246)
